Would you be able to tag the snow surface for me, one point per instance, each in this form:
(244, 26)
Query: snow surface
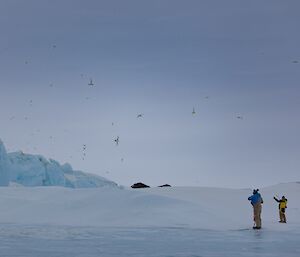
(36, 170)
(51, 210)
(177, 221)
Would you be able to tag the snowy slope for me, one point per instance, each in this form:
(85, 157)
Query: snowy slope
(205, 208)
(156, 222)
(232, 204)
(36, 170)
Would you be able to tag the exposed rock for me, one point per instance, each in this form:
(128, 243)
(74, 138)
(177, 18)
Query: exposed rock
(139, 185)
(165, 185)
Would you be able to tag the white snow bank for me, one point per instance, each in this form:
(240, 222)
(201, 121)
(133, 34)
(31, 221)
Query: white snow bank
(36, 170)
(204, 208)
(232, 205)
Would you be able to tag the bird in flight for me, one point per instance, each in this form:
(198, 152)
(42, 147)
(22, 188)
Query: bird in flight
(140, 115)
(84, 153)
(117, 140)
(193, 112)
(91, 83)
(239, 117)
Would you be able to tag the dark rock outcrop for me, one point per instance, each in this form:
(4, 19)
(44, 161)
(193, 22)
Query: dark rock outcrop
(139, 185)
(165, 185)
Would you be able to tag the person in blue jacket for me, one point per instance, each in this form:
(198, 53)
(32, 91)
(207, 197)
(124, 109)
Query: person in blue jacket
(256, 201)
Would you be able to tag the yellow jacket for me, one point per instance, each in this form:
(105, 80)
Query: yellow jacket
(282, 203)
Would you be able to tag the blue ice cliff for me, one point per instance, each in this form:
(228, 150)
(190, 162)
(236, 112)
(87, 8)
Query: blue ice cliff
(36, 170)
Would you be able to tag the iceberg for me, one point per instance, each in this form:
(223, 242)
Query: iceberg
(35, 170)
(4, 166)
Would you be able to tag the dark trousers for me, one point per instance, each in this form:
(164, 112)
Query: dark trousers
(282, 215)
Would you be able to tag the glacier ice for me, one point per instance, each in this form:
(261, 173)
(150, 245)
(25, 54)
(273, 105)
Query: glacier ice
(4, 166)
(36, 170)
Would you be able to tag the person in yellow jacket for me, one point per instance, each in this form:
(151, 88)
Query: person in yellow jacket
(282, 206)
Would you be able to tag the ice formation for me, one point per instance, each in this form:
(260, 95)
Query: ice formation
(36, 170)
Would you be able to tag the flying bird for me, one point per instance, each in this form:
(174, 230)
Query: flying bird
(117, 140)
(295, 61)
(84, 153)
(239, 117)
(193, 112)
(140, 115)
(91, 83)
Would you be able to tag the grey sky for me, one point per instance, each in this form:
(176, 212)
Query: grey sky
(160, 58)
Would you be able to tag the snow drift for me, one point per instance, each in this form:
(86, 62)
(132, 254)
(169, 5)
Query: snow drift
(36, 170)
(175, 207)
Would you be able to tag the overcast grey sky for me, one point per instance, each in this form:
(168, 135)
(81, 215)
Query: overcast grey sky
(160, 58)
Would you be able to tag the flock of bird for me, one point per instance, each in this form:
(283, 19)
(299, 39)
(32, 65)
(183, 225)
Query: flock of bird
(116, 140)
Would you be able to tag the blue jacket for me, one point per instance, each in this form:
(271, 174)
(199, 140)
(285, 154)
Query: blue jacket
(255, 198)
